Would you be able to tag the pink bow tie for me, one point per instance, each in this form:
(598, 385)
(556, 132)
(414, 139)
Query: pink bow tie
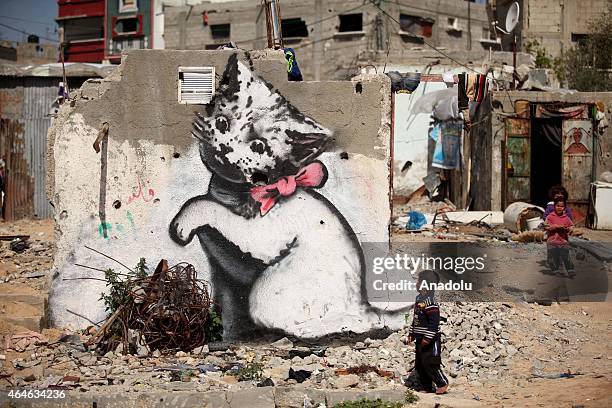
(312, 175)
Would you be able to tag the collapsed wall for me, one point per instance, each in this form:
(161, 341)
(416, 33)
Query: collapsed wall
(269, 190)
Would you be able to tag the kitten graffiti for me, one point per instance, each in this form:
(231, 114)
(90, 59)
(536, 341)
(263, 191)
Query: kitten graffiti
(282, 257)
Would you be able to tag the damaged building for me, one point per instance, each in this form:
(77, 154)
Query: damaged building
(187, 146)
(518, 145)
(333, 39)
(549, 138)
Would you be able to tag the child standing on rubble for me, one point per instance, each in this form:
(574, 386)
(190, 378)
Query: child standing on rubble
(558, 225)
(555, 192)
(424, 331)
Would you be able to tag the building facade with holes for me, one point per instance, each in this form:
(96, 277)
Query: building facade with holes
(557, 25)
(333, 39)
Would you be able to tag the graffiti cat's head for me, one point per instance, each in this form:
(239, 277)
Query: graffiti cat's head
(251, 134)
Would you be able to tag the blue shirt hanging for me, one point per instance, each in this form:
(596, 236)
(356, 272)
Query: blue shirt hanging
(293, 71)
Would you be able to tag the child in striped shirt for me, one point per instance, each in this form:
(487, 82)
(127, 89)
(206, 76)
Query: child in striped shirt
(424, 331)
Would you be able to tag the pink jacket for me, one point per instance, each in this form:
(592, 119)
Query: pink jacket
(556, 236)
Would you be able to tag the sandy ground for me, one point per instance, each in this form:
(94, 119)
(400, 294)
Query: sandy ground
(584, 348)
(586, 352)
(574, 336)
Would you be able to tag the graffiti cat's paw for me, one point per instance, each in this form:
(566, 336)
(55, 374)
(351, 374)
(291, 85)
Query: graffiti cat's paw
(284, 252)
(176, 232)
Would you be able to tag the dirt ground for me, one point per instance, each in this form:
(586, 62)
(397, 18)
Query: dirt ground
(574, 336)
(584, 349)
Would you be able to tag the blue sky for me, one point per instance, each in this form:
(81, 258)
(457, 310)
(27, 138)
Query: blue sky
(33, 16)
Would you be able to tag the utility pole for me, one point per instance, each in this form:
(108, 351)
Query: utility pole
(317, 46)
(273, 24)
(378, 26)
(379, 33)
(469, 26)
(62, 48)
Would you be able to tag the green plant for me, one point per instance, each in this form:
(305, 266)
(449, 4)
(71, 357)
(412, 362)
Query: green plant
(367, 403)
(542, 58)
(587, 67)
(125, 295)
(120, 286)
(252, 371)
(411, 397)
(214, 326)
(141, 270)
(184, 376)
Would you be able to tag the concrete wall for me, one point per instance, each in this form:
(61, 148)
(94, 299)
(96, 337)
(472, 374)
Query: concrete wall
(156, 191)
(32, 53)
(603, 159)
(552, 22)
(327, 53)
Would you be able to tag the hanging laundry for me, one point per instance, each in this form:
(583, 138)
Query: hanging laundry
(448, 77)
(293, 71)
(408, 81)
(472, 88)
(447, 136)
(600, 118)
(62, 92)
(571, 112)
(447, 109)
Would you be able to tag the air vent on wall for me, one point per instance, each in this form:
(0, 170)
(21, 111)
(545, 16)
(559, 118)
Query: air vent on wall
(196, 85)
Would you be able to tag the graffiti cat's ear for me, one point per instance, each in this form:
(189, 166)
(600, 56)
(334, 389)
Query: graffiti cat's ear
(229, 83)
(307, 139)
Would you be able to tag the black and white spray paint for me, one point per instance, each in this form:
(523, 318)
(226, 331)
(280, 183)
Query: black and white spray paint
(296, 266)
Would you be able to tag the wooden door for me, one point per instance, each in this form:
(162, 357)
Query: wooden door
(518, 160)
(577, 163)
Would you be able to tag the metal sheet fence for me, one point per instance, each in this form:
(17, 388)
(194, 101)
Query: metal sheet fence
(39, 94)
(25, 107)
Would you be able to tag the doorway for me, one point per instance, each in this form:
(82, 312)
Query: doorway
(546, 158)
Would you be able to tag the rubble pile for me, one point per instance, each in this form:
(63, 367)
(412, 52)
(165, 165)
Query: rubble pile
(424, 206)
(477, 347)
(24, 259)
(477, 342)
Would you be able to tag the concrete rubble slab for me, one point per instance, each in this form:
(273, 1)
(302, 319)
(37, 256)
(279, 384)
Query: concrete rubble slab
(250, 398)
(336, 397)
(254, 398)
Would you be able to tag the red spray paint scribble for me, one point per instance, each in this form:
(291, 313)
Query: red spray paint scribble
(139, 193)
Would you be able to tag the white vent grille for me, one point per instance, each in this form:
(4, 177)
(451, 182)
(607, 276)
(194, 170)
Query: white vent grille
(196, 85)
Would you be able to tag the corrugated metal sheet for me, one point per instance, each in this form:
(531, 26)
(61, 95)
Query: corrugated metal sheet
(39, 94)
(18, 183)
(25, 105)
